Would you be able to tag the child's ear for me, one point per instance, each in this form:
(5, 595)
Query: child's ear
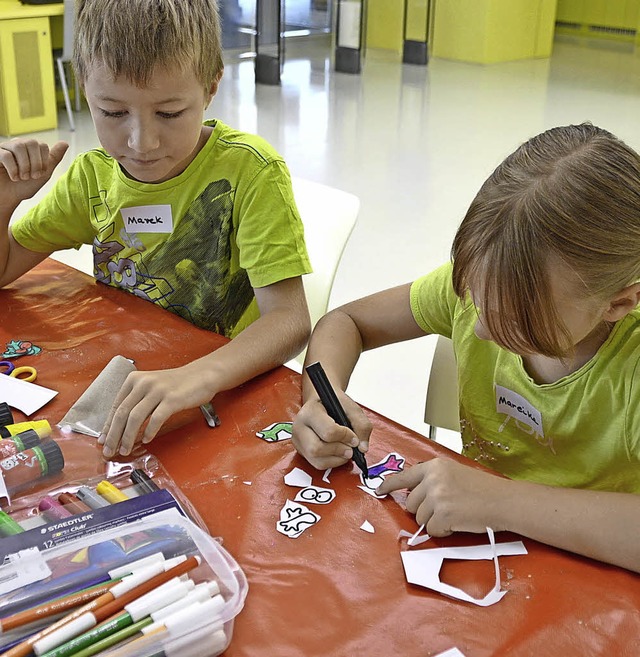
(214, 88)
(623, 303)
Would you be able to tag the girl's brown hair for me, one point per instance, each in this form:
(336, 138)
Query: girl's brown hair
(132, 37)
(571, 193)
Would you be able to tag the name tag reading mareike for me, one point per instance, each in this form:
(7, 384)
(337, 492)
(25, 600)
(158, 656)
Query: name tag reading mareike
(148, 219)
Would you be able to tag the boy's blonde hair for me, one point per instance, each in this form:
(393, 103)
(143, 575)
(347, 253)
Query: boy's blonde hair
(132, 37)
(570, 194)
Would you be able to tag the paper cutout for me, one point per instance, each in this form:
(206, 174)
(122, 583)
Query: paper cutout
(422, 567)
(23, 395)
(414, 539)
(295, 518)
(276, 432)
(390, 464)
(17, 348)
(298, 477)
(452, 652)
(368, 527)
(325, 476)
(315, 495)
(247, 483)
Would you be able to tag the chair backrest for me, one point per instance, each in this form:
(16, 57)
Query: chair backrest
(328, 215)
(442, 406)
(68, 28)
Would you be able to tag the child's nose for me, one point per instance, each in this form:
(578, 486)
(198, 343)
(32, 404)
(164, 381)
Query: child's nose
(143, 137)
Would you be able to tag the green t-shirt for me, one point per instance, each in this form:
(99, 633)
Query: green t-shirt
(580, 432)
(196, 244)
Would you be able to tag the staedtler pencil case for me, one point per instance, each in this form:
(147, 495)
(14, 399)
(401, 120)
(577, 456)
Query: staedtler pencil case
(159, 584)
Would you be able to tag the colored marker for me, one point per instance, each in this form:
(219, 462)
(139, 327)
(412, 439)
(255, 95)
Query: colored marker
(6, 417)
(72, 503)
(91, 498)
(111, 602)
(135, 611)
(52, 509)
(41, 427)
(8, 526)
(110, 493)
(141, 479)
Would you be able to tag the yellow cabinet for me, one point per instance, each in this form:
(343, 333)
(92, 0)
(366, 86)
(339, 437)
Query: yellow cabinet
(27, 92)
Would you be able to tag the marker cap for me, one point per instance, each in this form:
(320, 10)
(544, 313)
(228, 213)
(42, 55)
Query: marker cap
(6, 417)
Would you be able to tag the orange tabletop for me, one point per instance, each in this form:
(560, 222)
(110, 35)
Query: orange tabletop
(336, 590)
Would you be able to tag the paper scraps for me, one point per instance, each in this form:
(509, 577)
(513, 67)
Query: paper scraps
(367, 527)
(17, 348)
(452, 652)
(23, 395)
(325, 476)
(422, 567)
(390, 464)
(414, 539)
(295, 518)
(276, 432)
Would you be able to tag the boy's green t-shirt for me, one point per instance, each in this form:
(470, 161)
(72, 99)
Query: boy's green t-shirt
(196, 244)
(582, 431)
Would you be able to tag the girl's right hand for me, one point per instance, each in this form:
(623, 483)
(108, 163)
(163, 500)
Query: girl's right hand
(324, 443)
(25, 166)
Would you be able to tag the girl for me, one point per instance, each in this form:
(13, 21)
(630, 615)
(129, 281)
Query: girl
(540, 302)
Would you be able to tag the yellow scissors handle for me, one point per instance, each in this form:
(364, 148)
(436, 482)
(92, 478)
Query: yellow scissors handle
(30, 372)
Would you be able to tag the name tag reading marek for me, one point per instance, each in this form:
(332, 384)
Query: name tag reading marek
(148, 219)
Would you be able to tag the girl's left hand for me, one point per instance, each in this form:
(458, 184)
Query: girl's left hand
(447, 496)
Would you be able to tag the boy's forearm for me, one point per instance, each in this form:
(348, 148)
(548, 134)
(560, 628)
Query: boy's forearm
(597, 524)
(270, 341)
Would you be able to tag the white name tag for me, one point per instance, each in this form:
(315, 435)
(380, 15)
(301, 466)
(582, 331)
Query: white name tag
(516, 406)
(148, 219)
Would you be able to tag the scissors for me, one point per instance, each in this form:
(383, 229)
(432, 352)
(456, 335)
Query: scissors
(18, 372)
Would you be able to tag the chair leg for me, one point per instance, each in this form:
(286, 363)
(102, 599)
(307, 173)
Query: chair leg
(432, 432)
(65, 91)
(77, 94)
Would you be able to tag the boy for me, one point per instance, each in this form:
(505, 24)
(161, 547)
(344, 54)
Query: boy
(197, 218)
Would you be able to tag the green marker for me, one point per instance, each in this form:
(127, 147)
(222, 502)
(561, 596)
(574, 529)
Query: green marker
(8, 526)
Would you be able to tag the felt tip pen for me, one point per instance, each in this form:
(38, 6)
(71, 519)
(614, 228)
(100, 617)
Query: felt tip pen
(334, 409)
(141, 479)
(52, 509)
(8, 526)
(91, 498)
(110, 493)
(73, 504)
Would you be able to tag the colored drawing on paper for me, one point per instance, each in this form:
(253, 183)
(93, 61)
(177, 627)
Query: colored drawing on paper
(17, 348)
(276, 432)
(295, 518)
(390, 464)
(315, 495)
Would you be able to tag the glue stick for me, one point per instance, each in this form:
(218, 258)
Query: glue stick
(30, 465)
(18, 443)
(41, 427)
(6, 417)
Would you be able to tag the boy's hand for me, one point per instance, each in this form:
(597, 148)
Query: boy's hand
(151, 397)
(25, 166)
(447, 496)
(324, 443)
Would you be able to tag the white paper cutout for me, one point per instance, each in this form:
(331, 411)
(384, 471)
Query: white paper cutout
(422, 567)
(276, 432)
(390, 464)
(315, 495)
(298, 477)
(368, 527)
(247, 483)
(147, 219)
(414, 539)
(295, 518)
(25, 396)
(452, 652)
(325, 476)
(371, 492)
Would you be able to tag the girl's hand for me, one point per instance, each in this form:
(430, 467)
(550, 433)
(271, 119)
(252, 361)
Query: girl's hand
(25, 166)
(324, 443)
(447, 496)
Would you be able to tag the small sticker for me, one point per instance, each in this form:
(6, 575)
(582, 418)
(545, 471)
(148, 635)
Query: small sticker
(276, 432)
(17, 348)
(147, 219)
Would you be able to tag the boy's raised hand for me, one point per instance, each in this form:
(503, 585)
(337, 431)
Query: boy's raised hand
(25, 166)
(324, 443)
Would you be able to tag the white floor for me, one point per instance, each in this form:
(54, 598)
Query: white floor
(415, 144)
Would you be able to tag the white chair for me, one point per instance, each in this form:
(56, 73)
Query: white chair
(64, 56)
(328, 216)
(442, 407)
